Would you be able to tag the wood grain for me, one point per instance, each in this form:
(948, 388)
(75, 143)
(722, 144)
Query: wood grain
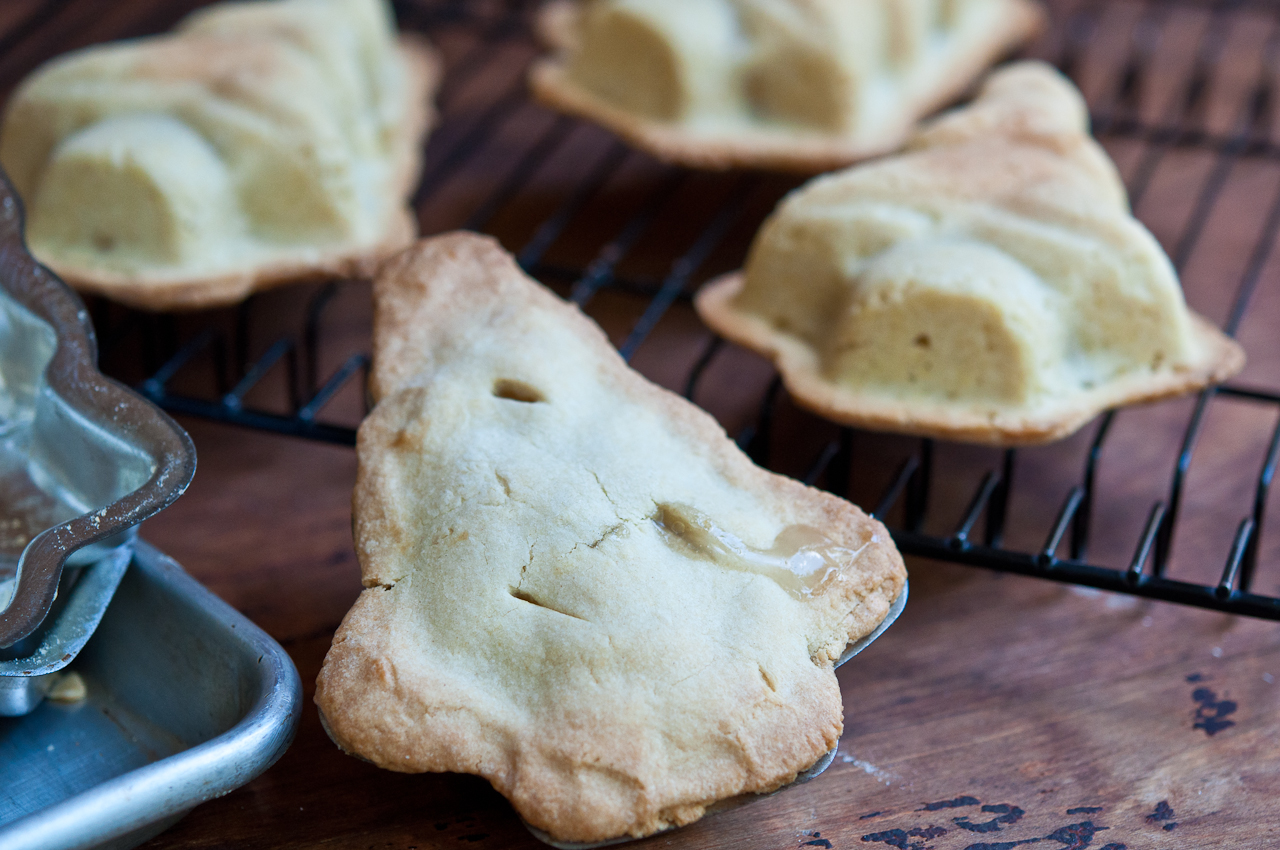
(999, 711)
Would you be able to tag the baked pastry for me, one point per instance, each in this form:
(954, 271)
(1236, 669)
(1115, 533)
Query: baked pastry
(260, 143)
(988, 285)
(797, 85)
(577, 586)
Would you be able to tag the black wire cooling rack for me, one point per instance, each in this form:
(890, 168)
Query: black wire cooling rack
(1152, 74)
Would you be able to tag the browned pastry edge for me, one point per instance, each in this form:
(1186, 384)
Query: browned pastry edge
(370, 704)
(801, 154)
(802, 374)
(160, 293)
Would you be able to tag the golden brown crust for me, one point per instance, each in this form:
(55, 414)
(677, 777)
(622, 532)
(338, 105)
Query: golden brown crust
(802, 374)
(775, 151)
(632, 713)
(160, 293)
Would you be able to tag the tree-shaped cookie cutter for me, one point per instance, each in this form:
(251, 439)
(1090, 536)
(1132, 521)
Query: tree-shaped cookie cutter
(97, 456)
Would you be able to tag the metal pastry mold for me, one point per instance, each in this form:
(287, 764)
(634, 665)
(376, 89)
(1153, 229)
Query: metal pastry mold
(186, 700)
(813, 772)
(83, 460)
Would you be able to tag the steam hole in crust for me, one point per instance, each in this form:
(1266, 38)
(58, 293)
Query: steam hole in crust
(524, 597)
(517, 391)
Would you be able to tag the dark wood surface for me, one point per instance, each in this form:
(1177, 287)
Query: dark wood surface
(999, 711)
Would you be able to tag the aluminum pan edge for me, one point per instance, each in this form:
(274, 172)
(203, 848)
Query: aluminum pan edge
(136, 805)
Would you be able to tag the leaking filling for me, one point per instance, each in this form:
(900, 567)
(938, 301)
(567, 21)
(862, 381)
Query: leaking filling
(802, 560)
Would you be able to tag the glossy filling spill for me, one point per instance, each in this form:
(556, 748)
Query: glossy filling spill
(802, 560)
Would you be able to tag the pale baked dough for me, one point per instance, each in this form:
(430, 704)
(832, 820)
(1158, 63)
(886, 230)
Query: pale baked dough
(796, 85)
(988, 285)
(258, 144)
(526, 617)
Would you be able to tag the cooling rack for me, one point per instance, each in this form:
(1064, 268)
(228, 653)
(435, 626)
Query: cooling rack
(1182, 94)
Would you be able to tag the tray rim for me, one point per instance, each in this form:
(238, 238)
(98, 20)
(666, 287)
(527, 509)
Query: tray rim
(135, 803)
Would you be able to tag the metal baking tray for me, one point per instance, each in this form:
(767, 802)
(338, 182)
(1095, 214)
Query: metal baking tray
(187, 700)
(83, 460)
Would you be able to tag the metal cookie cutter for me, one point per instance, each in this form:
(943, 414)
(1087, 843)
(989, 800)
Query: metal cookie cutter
(83, 460)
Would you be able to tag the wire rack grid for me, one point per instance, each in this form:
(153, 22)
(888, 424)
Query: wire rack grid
(1181, 93)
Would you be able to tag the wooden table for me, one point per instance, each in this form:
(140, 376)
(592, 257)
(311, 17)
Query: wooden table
(999, 711)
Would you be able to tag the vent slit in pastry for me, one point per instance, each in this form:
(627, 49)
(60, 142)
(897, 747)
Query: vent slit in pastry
(517, 391)
(527, 597)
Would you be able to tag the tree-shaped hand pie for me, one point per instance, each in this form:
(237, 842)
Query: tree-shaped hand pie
(260, 143)
(987, 285)
(577, 586)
